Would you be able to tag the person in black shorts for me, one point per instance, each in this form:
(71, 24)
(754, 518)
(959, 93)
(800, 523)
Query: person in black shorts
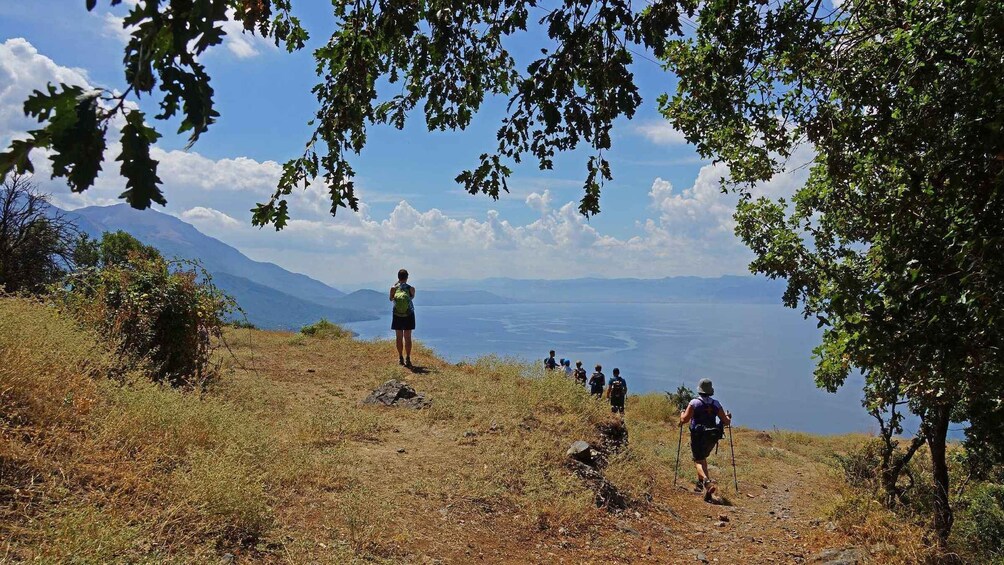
(707, 420)
(597, 381)
(616, 391)
(402, 295)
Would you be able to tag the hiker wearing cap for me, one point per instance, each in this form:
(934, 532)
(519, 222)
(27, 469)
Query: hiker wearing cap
(579, 373)
(402, 295)
(550, 363)
(707, 420)
(616, 391)
(597, 381)
(566, 365)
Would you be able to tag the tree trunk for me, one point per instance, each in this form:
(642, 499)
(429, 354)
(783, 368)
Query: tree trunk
(936, 431)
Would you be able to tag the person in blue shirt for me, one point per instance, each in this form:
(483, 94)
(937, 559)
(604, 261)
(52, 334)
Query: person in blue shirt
(707, 420)
(616, 391)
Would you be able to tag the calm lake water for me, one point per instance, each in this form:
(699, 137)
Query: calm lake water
(759, 356)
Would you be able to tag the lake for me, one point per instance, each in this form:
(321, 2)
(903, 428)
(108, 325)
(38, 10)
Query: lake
(759, 356)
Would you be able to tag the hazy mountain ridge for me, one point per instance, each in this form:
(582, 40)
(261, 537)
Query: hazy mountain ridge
(683, 289)
(273, 297)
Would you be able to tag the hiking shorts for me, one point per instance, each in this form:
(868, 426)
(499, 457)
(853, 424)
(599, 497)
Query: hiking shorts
(617, 404)
(702, 443)
(403, 322)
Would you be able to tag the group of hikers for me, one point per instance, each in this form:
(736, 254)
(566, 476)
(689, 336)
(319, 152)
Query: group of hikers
(705, 415)
(616, 389)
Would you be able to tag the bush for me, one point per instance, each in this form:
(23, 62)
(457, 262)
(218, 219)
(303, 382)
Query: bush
(325, 329)
(165, 312)
(980, 523)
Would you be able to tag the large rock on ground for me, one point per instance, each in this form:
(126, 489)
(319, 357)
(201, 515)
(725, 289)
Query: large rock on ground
(397, 393)
(582, 452)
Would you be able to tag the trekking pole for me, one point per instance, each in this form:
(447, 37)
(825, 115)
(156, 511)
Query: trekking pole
(735, 477)
(679, 442)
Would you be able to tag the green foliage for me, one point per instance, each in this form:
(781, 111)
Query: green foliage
(981, 524)
(447, 57)
(153, 309)
(681, 397)
(892, 243)
(325, 329)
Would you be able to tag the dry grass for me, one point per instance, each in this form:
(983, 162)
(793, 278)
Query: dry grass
(279, 462)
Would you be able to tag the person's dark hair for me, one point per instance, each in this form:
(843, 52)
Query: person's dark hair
(578, 363)
(402, 275)
(617, 371)
(552, 353)
(599, 367)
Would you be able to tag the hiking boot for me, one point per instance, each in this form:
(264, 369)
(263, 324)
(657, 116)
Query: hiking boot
(400, 360)
(698, 486)
(407, 361)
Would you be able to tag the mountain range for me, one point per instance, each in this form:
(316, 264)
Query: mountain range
(270, 296)
(275, 298)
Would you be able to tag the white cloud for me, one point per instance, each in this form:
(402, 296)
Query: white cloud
(539, 202)
(22, 70)
(201, 216)
(660, 132)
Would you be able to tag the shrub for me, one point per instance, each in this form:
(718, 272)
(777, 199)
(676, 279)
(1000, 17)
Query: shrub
(166, 312)
(325, 329)
(980, 524)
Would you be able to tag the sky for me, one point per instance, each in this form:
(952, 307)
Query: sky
(663, 214)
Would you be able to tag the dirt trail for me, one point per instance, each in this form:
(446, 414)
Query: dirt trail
(395, 498)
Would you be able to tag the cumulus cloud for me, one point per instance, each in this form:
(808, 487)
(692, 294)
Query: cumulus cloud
(539, 202)
(660, 132)
(201, 216)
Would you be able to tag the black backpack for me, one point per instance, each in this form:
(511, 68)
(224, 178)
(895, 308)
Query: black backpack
(617, 387)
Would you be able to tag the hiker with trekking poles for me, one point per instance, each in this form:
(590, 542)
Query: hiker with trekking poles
(707, 418)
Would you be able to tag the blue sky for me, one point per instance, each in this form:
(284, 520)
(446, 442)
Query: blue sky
(662, 215)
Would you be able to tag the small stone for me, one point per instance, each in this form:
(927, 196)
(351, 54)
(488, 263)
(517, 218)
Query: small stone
(311, 370)
(720, 523)
(723, 517)
(400, 450)
(228, 558)
(563, 531)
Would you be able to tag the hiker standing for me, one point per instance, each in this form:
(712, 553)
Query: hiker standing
(550, 363)
(707, 420)
(402, 295)
(597, 381)
(579, 373)
(566, 365)
(616, 391)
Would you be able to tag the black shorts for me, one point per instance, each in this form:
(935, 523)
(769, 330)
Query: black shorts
(702, 443)
(403, 322)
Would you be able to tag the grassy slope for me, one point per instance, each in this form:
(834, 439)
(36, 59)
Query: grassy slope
(279, 462)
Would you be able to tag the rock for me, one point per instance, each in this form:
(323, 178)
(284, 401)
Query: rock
(700, 556)
(397, 393)
(228, 558)
(400, 450)
(852, 555)
(563, 531)
(723, 517)
(311, 370)
(721, 523)
(581, 452)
